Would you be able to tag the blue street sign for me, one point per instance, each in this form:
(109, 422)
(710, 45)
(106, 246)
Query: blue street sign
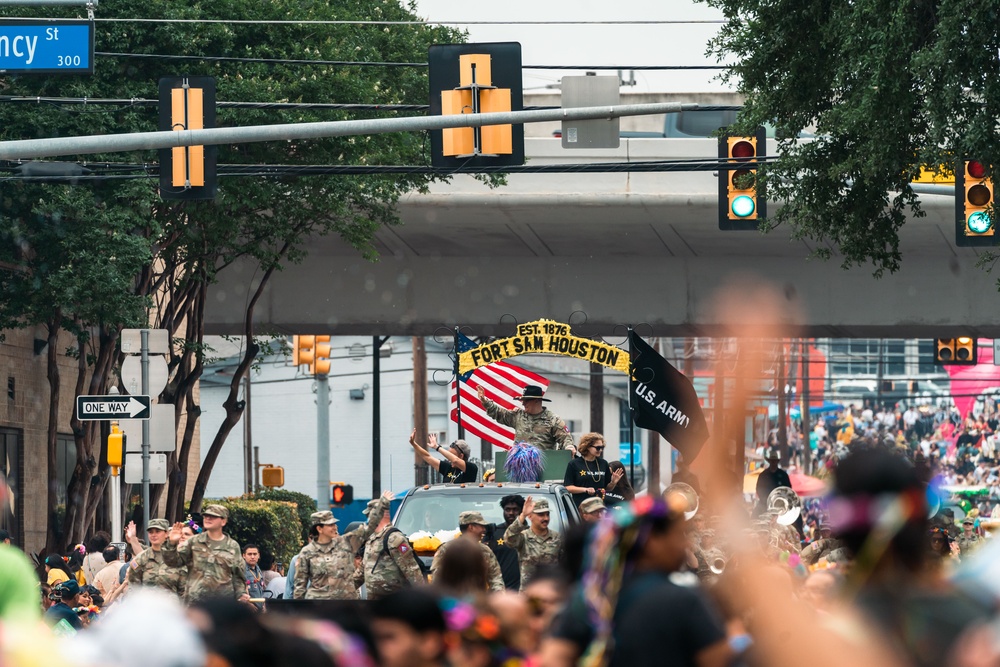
(46, 47)
(626, 456)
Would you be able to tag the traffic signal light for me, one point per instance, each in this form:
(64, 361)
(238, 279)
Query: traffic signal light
(955, 351)
(272, 476)
(321, 362)
(187, 172)
(312, 351)
(974, 216)
(303, 350)
(741, 202)
(341, 494)
(116, 446)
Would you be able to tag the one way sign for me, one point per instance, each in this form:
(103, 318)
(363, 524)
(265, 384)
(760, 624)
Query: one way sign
(92, 408)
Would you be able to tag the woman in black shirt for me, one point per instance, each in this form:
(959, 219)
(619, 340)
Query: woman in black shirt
(588, 474)
(456, 468)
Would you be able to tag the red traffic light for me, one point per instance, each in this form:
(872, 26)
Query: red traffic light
(976, 169)
(743, 149)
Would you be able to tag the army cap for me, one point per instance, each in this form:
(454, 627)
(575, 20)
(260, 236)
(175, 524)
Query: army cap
(467, 518)
(159, 524)
(322, 518)
(541, 506)
(216, 510)
(591, 505)
(968, 521)
(371, 504)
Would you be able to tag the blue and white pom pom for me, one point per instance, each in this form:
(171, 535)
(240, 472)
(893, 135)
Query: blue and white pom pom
(524, 463)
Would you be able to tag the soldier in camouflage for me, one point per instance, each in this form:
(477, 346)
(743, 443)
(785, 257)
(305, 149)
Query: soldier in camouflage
(535, 424)
(150, 569)
(472, 525)
(325, 568)
(822, 547)
(968, 541)
(389, 563)
(214, 560)
(535, 546)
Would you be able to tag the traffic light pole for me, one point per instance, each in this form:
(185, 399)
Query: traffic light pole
(139, 141)
(322, 443)
(144, 361)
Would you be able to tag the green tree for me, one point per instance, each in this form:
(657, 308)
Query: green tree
(888, 87)
(267, 219)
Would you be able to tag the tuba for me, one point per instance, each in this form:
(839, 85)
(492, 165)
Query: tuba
(786, 504)
(682, 497)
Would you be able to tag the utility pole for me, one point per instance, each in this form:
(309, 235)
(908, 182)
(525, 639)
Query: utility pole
(419, 406)
(596, 398)
(782, 408)
(322, 442)
(804, 407)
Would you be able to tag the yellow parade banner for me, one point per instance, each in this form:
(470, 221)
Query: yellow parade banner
(544, 337)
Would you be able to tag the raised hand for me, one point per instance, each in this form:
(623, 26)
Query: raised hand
(616, 476)
(529, 505)
(130, 531)
(413, 438)
(388, 495)
(481, 393)
(432, 441)
(175, 535)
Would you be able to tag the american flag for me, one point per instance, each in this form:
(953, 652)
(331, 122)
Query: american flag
(502, 382)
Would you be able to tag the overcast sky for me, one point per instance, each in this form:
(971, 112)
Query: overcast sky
(680, 43)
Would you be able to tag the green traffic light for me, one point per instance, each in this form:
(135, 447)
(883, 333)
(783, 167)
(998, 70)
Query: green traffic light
(979, 222)
(743, 206)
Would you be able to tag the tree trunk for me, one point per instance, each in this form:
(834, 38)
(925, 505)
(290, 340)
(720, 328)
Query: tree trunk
(52, 541)
(234, 407)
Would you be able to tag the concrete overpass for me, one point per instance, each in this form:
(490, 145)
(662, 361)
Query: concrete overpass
(622, 248)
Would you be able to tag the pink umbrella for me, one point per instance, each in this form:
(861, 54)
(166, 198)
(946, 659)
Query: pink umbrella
(806, 486)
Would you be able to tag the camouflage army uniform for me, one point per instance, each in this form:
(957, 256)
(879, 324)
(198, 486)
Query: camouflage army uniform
(532, 550)
(968, 543)
(819, 549)
(395, 570)
(214, 568)
(493, 572)
(150, 568)
(326, 571)
(546, 430)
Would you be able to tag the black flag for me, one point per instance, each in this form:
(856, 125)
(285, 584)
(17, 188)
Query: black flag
(663, 400)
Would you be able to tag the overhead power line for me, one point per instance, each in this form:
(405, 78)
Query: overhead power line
(369, 63)
(417, 23)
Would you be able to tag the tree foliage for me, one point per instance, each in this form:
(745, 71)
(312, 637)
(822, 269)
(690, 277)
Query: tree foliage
(109, 253)
(888, 87)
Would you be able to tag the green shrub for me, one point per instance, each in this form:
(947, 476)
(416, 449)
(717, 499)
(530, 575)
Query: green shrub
(272, 525)
(306, 505)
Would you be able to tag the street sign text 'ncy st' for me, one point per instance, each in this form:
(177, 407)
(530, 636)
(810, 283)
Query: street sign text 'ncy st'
(46, 47)
(97, 408)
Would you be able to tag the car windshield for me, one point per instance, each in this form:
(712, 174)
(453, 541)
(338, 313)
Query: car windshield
(433, 512)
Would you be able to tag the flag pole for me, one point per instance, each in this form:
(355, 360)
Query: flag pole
(631, 422)
(458, 392)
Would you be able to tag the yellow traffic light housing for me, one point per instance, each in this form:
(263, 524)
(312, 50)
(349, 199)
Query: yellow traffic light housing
(272, 476)
(187, 172)
(741, 200)
(975, 219)
(321, 353)
(956, 351)
(116, 446)
(303, 350)
(476, 94)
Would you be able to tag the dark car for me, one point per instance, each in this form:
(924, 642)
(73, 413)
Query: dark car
(436, 507)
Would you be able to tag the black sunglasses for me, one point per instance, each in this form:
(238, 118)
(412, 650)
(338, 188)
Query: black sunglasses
(600, 449)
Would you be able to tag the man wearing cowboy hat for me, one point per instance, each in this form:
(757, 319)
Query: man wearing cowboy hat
(534, 424)
(769, 480)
